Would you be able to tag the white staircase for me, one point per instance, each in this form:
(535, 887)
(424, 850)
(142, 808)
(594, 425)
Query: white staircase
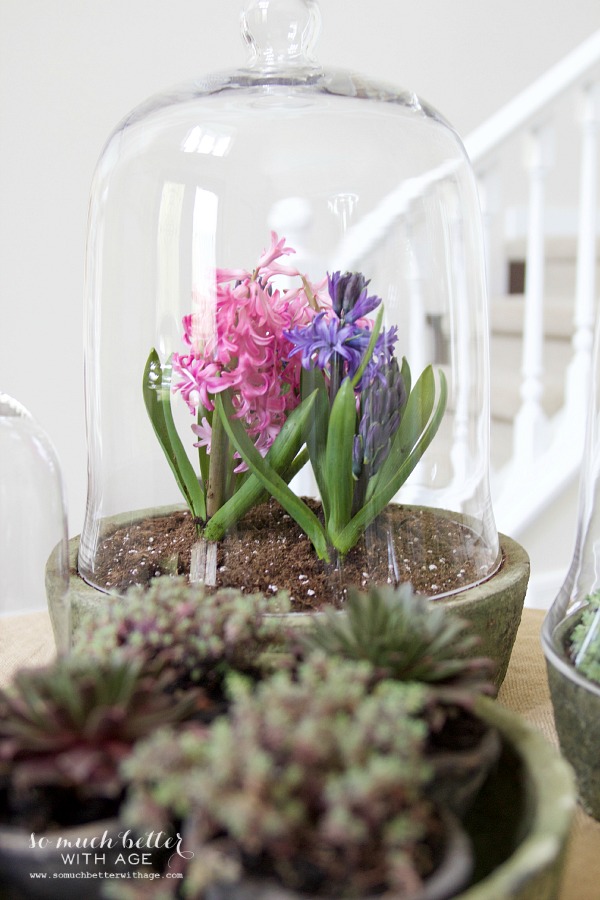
(537, 165)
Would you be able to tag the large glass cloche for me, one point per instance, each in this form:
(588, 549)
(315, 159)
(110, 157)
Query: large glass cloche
(286, 350)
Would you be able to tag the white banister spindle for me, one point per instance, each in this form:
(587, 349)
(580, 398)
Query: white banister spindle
(578, 376)
(489, 188)
(530, 420)
(547, 453)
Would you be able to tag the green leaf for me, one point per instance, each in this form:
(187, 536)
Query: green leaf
(297, 465)
(282, 456)
(316, 441)
(267, 475)
(415, 433)
(370, 347)
(417, 413)
(156, 388)
(406, 378)
(338, 459)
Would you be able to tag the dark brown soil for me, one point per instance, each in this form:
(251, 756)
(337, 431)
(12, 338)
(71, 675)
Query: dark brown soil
(268, 552)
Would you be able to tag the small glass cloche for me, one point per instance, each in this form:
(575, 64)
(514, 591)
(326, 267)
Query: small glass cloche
(571, 629)
(287, 349)
(33, 521)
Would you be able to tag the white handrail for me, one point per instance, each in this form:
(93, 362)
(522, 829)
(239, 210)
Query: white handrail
(546, 451)
(530, 102)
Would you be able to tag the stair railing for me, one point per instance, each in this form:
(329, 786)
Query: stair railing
(545, 454)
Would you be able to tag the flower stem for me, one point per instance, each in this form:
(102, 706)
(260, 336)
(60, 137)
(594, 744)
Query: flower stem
(217, 472)
(335, 380)
(360, 489)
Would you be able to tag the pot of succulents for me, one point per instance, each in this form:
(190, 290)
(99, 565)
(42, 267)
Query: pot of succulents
(406, 638)
(64, 732)
(318, 785)
(572, 650)
(288, 379)
(313, 784)
(194, 637)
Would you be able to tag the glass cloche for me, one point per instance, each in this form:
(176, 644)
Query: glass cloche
(287, 351)
(33, 521)
(571, 631)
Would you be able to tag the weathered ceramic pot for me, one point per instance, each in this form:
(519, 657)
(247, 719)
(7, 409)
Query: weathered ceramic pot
(521, 820)
(576, 703)
(459, 774)
(494, 607)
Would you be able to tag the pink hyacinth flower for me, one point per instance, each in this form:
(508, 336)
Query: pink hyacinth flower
(243, 346)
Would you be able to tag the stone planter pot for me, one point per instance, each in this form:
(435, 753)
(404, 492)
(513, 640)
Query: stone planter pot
(494, 607)
(576, 703)
(520, 822)
(459, 774)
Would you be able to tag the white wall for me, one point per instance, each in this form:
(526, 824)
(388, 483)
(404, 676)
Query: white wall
(71, 69)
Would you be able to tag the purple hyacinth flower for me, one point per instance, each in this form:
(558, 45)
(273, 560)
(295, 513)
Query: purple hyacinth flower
(349, 297)
(323, 338)
(381, 403)
(381, 357)
(363, 306)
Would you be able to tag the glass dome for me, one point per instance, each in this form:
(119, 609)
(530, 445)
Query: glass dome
(361, 357)
(571, 630)
(33, 521)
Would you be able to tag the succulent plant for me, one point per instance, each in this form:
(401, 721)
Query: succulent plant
(316, 779)
(66, 728)
(585, 639)
(408, 638)
(404, 636)
(197, 636)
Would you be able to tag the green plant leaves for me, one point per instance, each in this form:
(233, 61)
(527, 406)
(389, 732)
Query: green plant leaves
(330, 443)
(370, 348)
(295, 427)
(329, 435)
(419, 424)
(316, 441)
(338, 459)
(156, 386)
(283, 457)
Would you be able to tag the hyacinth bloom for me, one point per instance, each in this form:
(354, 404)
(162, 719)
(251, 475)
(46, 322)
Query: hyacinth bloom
(380, 405)
(336, 342)
(248, 351)
(337, 339)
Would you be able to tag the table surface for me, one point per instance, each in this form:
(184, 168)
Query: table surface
(27, 641)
